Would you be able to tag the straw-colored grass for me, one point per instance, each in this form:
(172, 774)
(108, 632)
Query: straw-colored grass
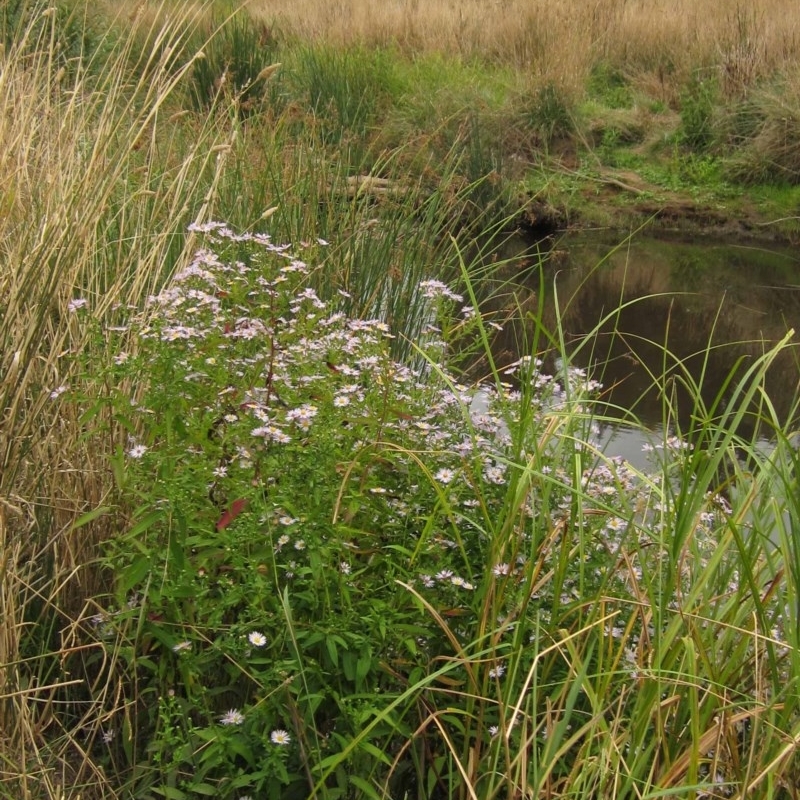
(88, 211)
(96, 186)
(559, 39)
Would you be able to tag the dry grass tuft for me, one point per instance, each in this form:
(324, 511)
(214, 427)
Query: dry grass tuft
(766, 129)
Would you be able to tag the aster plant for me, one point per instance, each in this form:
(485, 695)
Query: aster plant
(345, 576)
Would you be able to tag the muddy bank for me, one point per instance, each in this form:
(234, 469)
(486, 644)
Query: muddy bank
(622, 200)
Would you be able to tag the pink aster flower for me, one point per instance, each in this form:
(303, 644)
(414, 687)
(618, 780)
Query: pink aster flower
(232, 717)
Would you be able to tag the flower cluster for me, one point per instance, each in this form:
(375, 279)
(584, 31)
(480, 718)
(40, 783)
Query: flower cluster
(308, 493)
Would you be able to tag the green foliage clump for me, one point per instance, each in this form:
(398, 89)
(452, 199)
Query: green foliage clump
(550, 113)
(609, 85)
(698, 103)
(236, 62)
(345, 577)
(346, 90)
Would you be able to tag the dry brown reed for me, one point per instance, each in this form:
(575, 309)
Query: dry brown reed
(767, 126)
(559, 40)
(95, 185)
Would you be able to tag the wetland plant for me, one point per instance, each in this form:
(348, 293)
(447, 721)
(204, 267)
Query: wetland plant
(342, 577)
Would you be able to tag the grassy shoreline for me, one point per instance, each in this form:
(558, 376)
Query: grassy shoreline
(257, 538)
(643, 117)
(675, 113)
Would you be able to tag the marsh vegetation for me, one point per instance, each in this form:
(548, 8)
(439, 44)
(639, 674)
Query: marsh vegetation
(277, 516)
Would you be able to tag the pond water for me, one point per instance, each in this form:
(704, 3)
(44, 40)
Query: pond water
(708, 305)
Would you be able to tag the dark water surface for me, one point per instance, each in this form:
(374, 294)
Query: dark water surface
(708, 306)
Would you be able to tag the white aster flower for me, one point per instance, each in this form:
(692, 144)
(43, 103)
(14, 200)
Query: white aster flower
(137, 451)
(444, 475)
(232, 717)
(280, 737)
(497, 671)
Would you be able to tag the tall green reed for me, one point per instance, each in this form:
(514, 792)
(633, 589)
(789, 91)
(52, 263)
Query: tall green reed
(239, 61)
(669, 664)
(346, 90)
(386, 229)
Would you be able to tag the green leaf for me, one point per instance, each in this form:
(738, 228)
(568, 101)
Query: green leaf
(183, 591)
(241, 749)
(146, 522)
(90, 516)
(375, 752)
(248, 779)
(311, 639)
(134, 574)
(170, 792)
(160, 634)
(349, 666)
(176, 554)
(127, 737)
(363, 665)
(201, 541)
(118, 468)
(333, 653)
(206, 789)
(361, 784)
(90, 413)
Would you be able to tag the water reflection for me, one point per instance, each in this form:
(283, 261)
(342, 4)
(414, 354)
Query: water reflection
(663, 303)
